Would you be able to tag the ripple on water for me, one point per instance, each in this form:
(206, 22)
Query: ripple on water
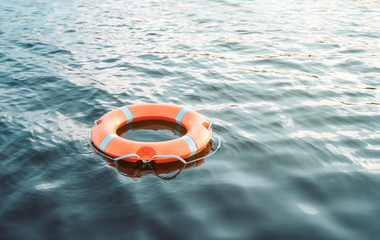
(291, 87)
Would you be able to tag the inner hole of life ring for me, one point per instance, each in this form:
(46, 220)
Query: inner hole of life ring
(151, 131)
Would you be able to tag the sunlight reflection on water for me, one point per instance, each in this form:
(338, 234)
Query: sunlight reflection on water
(291, 87)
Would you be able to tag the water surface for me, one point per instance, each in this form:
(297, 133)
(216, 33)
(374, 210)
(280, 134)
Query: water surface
(292, 87)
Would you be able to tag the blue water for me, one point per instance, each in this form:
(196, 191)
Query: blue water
(292, 88)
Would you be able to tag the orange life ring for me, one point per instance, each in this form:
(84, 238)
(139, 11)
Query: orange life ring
(104, 137)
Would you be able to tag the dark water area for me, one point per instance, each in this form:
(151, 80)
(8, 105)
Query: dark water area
(152, 131)
(292, 88)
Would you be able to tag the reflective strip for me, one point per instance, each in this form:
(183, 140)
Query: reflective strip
(105, 141)
(180, 114)
(190, 142)
(127, 113)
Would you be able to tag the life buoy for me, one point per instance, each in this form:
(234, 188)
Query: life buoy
(104, 137)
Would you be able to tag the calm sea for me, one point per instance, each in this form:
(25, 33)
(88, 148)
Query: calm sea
(292, 87)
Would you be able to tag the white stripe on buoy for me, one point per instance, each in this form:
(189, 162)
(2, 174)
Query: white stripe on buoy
(105, 141)
(180, 114)
(128, 114)
(190, 142)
